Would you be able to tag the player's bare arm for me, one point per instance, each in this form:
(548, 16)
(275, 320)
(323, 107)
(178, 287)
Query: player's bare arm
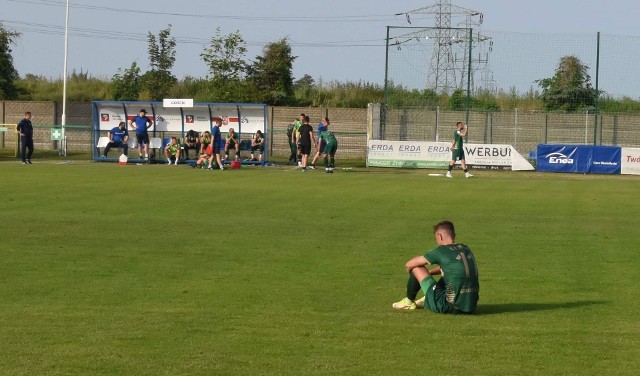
(416, 262)
(463, 132)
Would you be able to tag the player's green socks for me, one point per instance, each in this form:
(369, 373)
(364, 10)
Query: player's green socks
(333, 162)
(413, 286)
(326, 162)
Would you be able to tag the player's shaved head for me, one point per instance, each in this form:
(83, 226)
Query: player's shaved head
(445, 227)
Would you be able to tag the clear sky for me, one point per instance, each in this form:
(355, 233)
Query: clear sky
(341, 40)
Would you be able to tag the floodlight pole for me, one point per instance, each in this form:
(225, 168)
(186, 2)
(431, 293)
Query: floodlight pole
(63, 148)
(469, 76)
(597, 104)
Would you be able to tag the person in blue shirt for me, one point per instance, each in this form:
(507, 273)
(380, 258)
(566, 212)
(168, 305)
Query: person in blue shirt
(216, 140)
(141, 123)
(321, 142)
(118, 137)
(25, 130)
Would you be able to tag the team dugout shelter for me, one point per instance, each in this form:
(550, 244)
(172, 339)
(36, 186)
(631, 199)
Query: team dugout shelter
(175, 120)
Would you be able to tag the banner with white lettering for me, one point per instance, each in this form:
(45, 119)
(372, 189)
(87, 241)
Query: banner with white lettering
(582, 159)
(630, 164)
(436, 155)
(559, 158)
(605, 160)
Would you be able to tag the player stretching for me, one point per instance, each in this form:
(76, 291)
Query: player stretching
(457, 149)
(330, 148)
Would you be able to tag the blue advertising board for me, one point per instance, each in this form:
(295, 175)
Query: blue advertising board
(582, 159)
(605, 160)
(558, 158)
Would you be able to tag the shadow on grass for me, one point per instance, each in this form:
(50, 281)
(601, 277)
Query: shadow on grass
(491, 309)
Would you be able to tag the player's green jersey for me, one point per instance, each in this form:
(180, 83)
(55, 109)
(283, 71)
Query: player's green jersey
(297, 126)
(329, 137)
(457, 140)
(460, 274)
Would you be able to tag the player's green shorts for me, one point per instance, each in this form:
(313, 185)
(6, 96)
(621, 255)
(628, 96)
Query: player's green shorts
(436, 298)
(457, 154)
(331, 148)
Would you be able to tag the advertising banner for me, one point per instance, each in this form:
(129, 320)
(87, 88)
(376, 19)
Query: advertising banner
(559, 158)
(436, 155)
(582, 159)
(110, 116)
(630, 164)
(408, 154)
(605, 160)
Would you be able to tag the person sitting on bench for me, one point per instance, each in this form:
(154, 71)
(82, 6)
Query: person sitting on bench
(118, 137)
(257, 144)
(232, 142)
(191, 141)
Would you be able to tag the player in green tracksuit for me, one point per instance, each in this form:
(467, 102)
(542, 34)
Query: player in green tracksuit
(458, 289)
(457, 149)
(329, 150)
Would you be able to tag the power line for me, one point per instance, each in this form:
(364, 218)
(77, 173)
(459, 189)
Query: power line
(22, 26)
(147, 12)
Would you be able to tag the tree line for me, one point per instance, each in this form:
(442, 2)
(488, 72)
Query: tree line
(268, 78)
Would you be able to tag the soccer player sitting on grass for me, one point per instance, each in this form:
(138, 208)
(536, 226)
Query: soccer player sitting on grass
(172, 151)
(458, 288)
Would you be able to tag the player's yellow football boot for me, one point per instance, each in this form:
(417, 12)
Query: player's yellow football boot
(405, 303)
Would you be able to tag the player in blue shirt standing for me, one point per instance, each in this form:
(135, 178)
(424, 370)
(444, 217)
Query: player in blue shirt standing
(25, 130)
(141, 124)
(216, 140)
(118, 137)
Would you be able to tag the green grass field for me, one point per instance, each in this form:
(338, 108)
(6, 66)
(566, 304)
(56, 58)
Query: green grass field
(163, 270)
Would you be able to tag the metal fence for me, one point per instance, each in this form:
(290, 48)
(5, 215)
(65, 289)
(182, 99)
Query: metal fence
(348, 124)
(522, 129)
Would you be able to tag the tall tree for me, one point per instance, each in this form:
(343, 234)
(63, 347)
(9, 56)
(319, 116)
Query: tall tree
(162, 55)
(569, 89)
(225, 56)
(126, 86)
(227, 67)
(272, 73)
(8, 73)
